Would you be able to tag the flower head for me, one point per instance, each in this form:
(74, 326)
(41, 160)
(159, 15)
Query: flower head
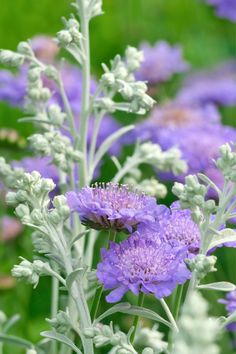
(141, 264)
(112, 206)
(176, 227)
(161, 61)
(217, 86)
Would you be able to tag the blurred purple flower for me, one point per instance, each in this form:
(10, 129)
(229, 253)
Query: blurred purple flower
(9, 228)
(216, 86)
(40, 164)
(13, 87)
(161, 61)
(141, 264)
(225, 8)
(197, 132)
(112, 206)
(230, 304)
(45, 48)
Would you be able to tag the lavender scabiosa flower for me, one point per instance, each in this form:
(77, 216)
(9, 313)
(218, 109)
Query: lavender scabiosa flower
(216, 86)
(13, 87)
(112, 206)
(176, 227)
(225, 8)
(141, 264)
(161, 61)
(230, 303)
(200, 146)
(164, 120)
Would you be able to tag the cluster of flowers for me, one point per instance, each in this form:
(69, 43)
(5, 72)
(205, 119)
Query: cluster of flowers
(151, 259)
(191, 121)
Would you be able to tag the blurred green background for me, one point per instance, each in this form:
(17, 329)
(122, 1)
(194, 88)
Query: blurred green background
(206, 40)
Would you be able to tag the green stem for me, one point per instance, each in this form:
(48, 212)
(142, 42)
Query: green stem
(96, 302)
(169, 315)
(177, 301)
(84, 117)
(99, 291)
(136, 318)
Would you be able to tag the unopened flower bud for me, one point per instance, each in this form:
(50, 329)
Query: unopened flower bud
(24, 48)
(148, 351)
(64, 37)
(11, 198)
(11, 58)
(108, 79)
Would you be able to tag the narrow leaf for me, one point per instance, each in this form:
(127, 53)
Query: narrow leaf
(105, 146)
(125, 307)
(221, 286)
(223, 236)
(10, 323)
(72, 276)
(5, 338)
(60, 338)
(78, 237)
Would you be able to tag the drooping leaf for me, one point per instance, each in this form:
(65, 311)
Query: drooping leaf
(125, 307)
(5, 338)
(61, 338)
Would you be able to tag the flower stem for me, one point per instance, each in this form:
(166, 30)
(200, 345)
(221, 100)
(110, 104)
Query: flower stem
(84, 117)
(177, 301)
(169, 315)
(136, 318)
(99, 291)
(54, 308)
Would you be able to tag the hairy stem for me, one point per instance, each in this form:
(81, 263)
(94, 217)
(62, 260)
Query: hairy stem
(84, 117)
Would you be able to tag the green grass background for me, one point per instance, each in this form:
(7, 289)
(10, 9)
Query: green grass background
(206, 40)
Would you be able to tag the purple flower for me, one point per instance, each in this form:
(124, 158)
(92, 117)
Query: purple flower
(9, 228)
(230, 304)
(161, 61)
(112, 206)
(217, 86)
(225, 8)
(197, 132)
(13, 87)
(141, 264)
(45, 48)
(40, 164)
(176, 227)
